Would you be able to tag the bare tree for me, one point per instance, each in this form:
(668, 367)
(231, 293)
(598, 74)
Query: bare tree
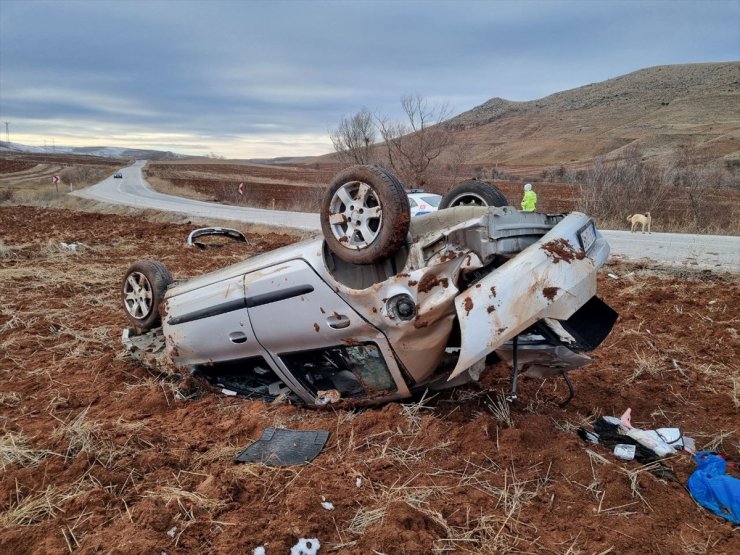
(354, 137)
(414, 145)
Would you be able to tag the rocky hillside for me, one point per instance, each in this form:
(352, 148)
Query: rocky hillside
(656, 109)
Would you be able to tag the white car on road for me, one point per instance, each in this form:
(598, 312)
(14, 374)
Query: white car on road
(421, 202)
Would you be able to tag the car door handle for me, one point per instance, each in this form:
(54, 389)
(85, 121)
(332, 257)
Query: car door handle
(238, 337)
(338, 321)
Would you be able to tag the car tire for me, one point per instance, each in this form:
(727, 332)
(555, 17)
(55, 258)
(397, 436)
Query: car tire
(142, 291)
(473, 193)
(365, 214)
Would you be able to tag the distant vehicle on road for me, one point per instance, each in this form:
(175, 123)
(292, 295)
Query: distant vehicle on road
(118, 175)
(421, 202)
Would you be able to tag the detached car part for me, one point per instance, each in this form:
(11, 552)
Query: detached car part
(382, 306)
(214, 232)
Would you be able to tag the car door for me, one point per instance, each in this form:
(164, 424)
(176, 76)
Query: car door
(210, 324)
(209, 330)
(313, 335)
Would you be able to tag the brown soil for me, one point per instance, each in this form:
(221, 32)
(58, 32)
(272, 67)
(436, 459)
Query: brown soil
(26, 177)
(114, 458)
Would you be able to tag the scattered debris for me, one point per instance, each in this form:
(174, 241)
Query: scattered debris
(306, 547)
(358, 482)
(172, 532)
(630, 443)
(624, 452)
(327, 505)
(70, 246)
(279, 446)
(328, 396)
(234, 234)
(713, 489)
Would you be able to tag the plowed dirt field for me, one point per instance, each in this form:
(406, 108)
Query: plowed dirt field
(99, 455)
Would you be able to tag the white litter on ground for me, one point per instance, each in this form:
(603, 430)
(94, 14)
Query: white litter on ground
(172, 531)
(260, 550)
(358, 482)
(306, 547)
(328, 506)
(69, 246)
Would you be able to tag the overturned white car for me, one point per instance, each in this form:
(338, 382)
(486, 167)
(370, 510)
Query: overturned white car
(383, 305)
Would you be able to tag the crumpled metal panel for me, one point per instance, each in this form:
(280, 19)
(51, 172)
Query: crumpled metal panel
(550, 279)
(419, 342)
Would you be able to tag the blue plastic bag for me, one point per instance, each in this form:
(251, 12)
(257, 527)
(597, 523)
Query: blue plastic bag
(713, 489)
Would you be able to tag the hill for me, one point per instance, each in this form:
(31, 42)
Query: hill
(656, 109)
(99, 151)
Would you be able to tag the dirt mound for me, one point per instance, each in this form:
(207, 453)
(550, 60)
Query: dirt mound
(100, 455)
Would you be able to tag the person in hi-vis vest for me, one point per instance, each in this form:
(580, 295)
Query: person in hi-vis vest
(529, 201)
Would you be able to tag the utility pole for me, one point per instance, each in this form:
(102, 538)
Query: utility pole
(7, 133)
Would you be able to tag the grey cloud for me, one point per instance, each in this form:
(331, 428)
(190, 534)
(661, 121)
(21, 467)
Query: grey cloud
(231, 70)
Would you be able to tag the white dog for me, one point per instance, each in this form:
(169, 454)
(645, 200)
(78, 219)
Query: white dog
(642, 219)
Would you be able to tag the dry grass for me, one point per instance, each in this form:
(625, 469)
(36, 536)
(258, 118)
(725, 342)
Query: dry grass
(14, 450)
(6, 251)
(498, 531)
(501, 531)
(189, 503)
(186, 500)
(647, 364)
(718, 441)
(382, 496)
(412, 412)
(84, 436)
(31, 509)
(501, 410)
(11, 399)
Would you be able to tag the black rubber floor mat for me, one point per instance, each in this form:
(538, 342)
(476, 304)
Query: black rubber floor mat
(279, 447)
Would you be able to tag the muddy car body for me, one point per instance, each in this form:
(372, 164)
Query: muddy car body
(306, 324)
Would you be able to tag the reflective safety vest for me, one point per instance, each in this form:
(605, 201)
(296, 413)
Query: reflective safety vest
(529, 202)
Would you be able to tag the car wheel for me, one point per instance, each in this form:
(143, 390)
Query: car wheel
(142, 290)
(365, 214)
(473, 193)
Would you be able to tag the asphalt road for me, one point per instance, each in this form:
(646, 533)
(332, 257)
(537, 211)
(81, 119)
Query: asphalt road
(133, 190)
(715, 252)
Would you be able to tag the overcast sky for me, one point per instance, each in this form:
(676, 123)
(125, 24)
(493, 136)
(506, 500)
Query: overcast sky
(263, 79)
